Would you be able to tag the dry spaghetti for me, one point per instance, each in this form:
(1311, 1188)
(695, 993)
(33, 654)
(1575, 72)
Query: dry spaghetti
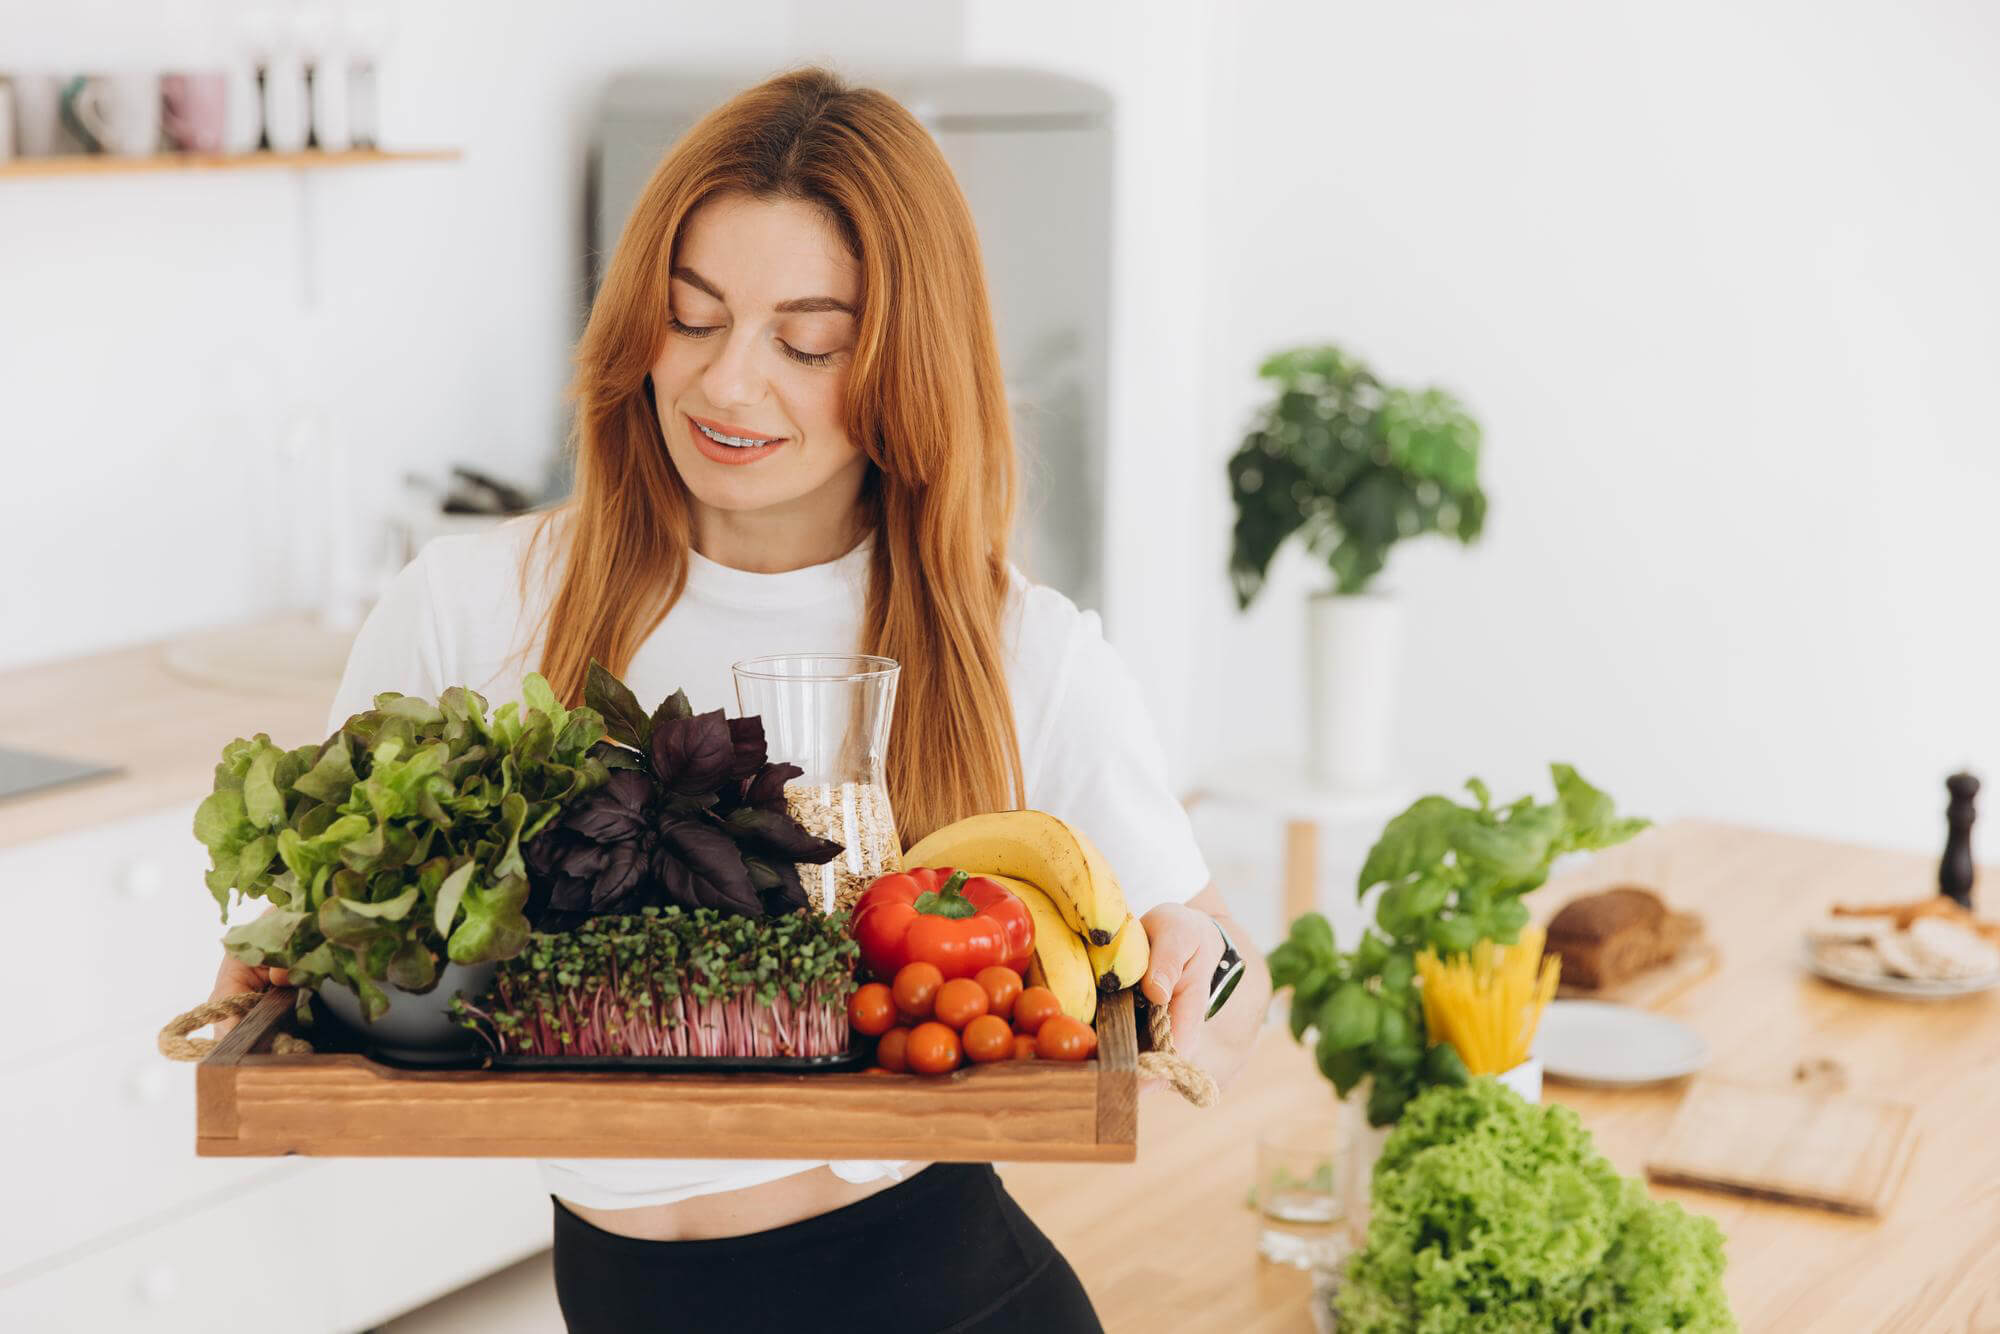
(1487, 1004)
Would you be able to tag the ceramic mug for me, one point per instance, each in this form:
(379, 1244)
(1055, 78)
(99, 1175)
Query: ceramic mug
(328, 82)
(243, 126)
(195, 111)
(287, 115)
(114, 113)
(37, 114)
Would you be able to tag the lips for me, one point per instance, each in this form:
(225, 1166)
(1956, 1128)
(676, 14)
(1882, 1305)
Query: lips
(737, 433)
(733, 455)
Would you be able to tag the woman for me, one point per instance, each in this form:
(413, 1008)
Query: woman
(791, 436)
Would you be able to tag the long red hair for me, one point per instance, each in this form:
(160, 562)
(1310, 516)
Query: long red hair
(925, 405)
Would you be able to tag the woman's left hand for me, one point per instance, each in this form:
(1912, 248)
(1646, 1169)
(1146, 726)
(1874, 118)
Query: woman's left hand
(1186, 946)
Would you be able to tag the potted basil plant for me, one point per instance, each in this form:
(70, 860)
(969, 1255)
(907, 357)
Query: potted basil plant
(1349, 465)
(1447, 876)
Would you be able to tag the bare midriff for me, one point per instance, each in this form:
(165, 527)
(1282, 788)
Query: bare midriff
(734, 1213)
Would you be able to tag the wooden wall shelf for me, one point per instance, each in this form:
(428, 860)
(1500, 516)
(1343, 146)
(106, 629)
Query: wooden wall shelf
(107, 164)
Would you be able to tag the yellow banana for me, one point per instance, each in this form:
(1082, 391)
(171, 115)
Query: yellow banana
(1039, 848)
(1122, 963)
(1060, 962)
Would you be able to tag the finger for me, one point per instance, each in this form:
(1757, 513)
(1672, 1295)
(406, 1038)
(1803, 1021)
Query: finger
(1188, 1013)
(279, 977)
(1172, 947)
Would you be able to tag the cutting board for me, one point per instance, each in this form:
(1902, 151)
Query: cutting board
(1653, 988)
(1818, 1148)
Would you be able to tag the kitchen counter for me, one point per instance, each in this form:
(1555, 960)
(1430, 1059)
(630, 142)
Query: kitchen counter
(128, 707)
(1168, 1243)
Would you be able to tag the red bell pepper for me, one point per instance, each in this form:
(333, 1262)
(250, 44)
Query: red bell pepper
(958, 921)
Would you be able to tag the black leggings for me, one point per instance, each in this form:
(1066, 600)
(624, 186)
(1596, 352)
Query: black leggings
(947, 1251)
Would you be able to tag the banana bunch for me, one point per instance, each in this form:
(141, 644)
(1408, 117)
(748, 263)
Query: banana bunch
(1086, 941)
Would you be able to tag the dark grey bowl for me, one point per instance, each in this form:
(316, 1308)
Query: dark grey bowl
(415, 1028)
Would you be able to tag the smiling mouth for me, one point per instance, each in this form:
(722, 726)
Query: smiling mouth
(734, 441)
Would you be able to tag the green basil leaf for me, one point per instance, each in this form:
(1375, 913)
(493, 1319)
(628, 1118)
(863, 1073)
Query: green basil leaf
(1454, 935)
(1414, 841)
(1505, 921)
(1443, 1065)
(1349, 1017)
(1344, 1068)
(1396, 1039)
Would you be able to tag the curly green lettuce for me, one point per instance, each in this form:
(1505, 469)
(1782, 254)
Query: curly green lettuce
(1492, 1214)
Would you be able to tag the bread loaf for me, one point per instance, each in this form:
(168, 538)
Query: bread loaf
(1606, 938)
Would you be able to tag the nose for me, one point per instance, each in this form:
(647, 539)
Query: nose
(731, 379)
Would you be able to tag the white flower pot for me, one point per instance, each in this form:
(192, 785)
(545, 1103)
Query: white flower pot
(1354, 651)
(1525, 1079)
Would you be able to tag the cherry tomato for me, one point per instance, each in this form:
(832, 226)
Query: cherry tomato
(872, 1010)
(892, 1048)
(1024, 1047)
(1003, 988)
(988, 1038)
(916, 989)
(933, 1049)
(1065, 1038)
(960, 1001)
(1036, 1005)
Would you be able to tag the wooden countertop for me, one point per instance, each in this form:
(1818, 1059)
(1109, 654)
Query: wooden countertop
(129, 707)
(1167, 1243)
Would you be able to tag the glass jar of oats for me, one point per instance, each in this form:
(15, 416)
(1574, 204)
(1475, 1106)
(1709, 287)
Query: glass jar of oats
(829, 713)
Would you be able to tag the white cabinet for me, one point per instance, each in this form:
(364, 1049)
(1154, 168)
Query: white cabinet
(316, 1247)
(108, 1220)
(124, 931)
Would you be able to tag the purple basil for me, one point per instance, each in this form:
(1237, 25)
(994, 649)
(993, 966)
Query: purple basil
(695, 816)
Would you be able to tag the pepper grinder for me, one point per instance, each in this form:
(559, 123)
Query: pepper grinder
(1955, 872)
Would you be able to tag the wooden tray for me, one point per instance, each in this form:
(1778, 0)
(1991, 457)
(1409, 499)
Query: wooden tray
(253, 1103)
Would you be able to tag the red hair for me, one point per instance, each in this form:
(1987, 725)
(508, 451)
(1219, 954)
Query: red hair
(925, 405)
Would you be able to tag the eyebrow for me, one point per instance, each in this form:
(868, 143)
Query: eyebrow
(798, 305)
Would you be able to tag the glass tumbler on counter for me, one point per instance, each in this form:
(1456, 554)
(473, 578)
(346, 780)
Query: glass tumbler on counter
(1299, 1177)
(829, 713)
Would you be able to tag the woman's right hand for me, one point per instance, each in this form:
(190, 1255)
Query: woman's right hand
(236, 976)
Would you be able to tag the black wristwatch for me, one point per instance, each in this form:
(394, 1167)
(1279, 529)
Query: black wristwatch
(1228, 973)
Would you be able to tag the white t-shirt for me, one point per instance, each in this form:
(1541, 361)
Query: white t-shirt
(455, 616)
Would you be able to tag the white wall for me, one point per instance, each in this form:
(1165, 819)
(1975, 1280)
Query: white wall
(1720, 285)
(1720, 282)
(157, 338)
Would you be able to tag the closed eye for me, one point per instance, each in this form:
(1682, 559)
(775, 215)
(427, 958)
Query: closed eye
(704, 330)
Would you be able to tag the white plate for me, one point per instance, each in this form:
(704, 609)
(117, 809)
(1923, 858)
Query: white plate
(1593, 1042)
(1894, 986)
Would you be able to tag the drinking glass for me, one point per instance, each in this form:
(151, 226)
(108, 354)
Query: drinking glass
(1299, 1179)
(829, 713)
